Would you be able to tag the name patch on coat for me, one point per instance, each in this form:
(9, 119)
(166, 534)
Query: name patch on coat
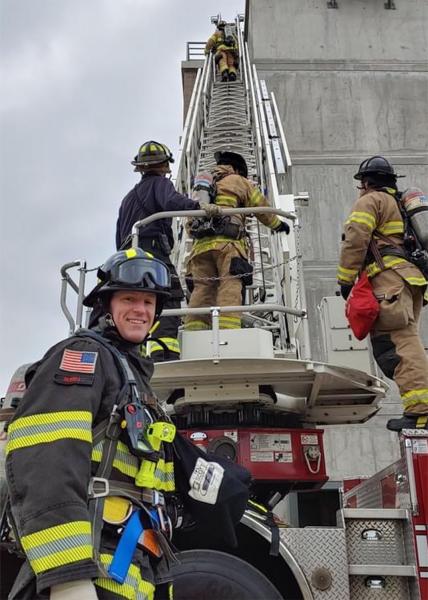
(74, 379)
(76, 361)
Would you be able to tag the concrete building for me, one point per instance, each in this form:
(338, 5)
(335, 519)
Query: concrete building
(351, 80)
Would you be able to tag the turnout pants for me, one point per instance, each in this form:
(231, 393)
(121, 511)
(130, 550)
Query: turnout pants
(397, 347)
(226, 61)
(214, 286)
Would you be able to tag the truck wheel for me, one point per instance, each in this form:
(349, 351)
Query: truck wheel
(212, 575)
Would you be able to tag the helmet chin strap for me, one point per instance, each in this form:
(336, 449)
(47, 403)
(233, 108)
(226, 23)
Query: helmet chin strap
(106, 321)
(109, 320)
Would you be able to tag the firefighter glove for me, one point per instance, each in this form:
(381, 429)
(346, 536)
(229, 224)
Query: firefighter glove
(211, 210)
(282, 227)
(345, 290)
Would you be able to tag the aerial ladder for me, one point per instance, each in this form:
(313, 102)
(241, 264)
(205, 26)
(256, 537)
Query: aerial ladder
(255, 395)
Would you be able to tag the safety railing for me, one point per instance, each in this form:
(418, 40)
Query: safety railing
(216, 311)
(79, 287)
(201, 213)
(287, 332)
(195, 51)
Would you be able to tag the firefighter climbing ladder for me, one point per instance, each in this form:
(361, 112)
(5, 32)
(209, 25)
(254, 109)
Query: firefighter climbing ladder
(242, 117)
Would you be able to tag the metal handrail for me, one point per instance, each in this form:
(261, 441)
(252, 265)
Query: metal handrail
(215, 312)
(241, 308)
(79, 288)
(201, 213)
(195, 50)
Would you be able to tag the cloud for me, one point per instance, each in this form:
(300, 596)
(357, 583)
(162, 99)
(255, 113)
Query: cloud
(83, 85)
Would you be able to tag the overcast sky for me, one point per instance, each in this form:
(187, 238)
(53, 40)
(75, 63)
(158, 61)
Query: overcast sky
(84, 83)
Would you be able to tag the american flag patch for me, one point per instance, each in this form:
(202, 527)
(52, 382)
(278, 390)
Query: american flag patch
(78, 362)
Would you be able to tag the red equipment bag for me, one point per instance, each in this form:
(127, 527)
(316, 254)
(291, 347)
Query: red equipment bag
(362, 307)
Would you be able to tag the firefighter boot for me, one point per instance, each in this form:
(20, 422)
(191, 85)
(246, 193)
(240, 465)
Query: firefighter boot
(232, 76)
(225, 75)
(408, 421)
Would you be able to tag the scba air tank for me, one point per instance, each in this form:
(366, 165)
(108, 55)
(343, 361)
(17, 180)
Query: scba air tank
(415, 203)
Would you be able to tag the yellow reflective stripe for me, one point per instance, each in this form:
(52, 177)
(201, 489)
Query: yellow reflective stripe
(154, 327)
(413, 397)
(390, 262)
(49, 427)
(276, 222)
(211, 243)
(164, 476)
(128, 464)
(54, 417)
(228, 200)
(229, 322)
(32, 540)
(364, 218)
(124, 461)
(416, 280)
(347, 275)
(58, 546)
(171, 343)
(131, 253)
(258, 506)
(256, 198)
(134, 587)
(196, 325)
(226, 48)
(348, 271)
(391, 227)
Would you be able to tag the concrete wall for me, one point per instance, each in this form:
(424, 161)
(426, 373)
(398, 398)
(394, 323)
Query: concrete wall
(189, 71)
(349, 82)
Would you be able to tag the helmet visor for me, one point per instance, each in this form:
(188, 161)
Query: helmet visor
(152, 274)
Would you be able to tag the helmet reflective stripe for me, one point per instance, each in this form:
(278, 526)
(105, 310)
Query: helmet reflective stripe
(131, 253)
(152, 153)
(131, 270)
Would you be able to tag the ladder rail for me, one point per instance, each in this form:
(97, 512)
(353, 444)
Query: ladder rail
(181, 176)
(222, 113)
(196, 128)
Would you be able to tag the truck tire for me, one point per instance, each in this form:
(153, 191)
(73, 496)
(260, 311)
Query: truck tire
(213, 575)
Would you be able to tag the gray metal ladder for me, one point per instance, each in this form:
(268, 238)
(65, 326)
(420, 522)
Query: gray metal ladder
(242, 117)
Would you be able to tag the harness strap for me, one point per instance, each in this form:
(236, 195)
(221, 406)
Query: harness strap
(109, 431)
(99, 487)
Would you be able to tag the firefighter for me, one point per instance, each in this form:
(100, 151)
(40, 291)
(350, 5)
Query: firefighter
(155, 193)
(219, 258)
(225, 49)
(397, 283)
(73, 462)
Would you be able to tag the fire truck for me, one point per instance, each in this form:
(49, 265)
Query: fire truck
(255, 395)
